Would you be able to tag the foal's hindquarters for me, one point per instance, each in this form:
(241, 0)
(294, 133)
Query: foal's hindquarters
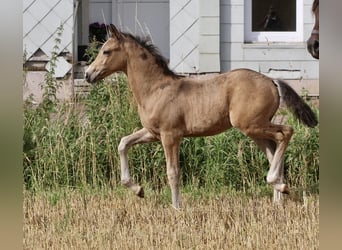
(252, 107)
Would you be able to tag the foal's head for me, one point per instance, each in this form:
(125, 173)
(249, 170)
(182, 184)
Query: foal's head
(111, 58)
(313, 42)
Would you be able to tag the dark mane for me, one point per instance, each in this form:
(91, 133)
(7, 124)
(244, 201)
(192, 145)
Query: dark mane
(154, 51)
(315, 5)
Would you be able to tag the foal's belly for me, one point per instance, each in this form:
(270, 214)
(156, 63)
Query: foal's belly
(207, 127)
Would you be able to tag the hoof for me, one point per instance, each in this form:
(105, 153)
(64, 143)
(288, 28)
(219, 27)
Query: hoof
(282, 188)
(285, 189)
(140, 192)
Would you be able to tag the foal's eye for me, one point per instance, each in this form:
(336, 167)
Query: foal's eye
(106, 52)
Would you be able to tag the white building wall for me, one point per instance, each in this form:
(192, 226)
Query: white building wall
(194, 36)
(100, 10)
(41, 19)
(143, 18)
(284, 60)
(184, 36)
(209, 36)
(197, 35)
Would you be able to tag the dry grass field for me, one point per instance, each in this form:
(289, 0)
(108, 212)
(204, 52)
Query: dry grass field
(119, 220)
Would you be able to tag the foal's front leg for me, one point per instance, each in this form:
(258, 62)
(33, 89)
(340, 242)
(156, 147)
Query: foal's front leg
(141, 136)
(171, 144)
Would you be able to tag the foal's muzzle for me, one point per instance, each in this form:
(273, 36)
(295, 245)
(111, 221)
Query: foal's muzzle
(90, 76)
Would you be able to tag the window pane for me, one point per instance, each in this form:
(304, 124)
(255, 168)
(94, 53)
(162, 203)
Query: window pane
(273, 15)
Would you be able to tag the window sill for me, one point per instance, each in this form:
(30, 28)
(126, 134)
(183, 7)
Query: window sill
(274, 45)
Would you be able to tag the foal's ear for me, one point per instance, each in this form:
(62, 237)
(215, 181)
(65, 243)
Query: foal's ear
(114, 32)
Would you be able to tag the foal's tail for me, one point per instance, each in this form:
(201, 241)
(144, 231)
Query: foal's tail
(296, 104)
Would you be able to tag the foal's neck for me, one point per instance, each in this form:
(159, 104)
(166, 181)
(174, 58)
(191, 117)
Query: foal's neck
(143, 73)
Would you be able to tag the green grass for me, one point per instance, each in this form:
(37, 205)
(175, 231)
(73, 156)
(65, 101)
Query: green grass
(75, 146)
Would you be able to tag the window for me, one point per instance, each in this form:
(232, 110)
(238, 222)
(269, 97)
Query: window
(274, 20)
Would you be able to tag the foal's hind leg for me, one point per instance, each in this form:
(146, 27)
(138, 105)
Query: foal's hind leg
(269, 147)
(141, 136)
(280, 135)
(266, 146)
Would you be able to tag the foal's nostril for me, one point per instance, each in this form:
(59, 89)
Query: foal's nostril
(316, 45)
(87, 76)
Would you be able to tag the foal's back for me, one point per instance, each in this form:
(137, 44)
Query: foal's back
(212, 105)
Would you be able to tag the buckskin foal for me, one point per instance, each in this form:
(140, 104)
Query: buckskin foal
(171, 107)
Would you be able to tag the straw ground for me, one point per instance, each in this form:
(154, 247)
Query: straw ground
(118, 220)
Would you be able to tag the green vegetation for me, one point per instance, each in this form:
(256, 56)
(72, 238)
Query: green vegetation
(76, 146)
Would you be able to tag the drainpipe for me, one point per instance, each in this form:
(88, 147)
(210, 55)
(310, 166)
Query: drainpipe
(74, 44)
